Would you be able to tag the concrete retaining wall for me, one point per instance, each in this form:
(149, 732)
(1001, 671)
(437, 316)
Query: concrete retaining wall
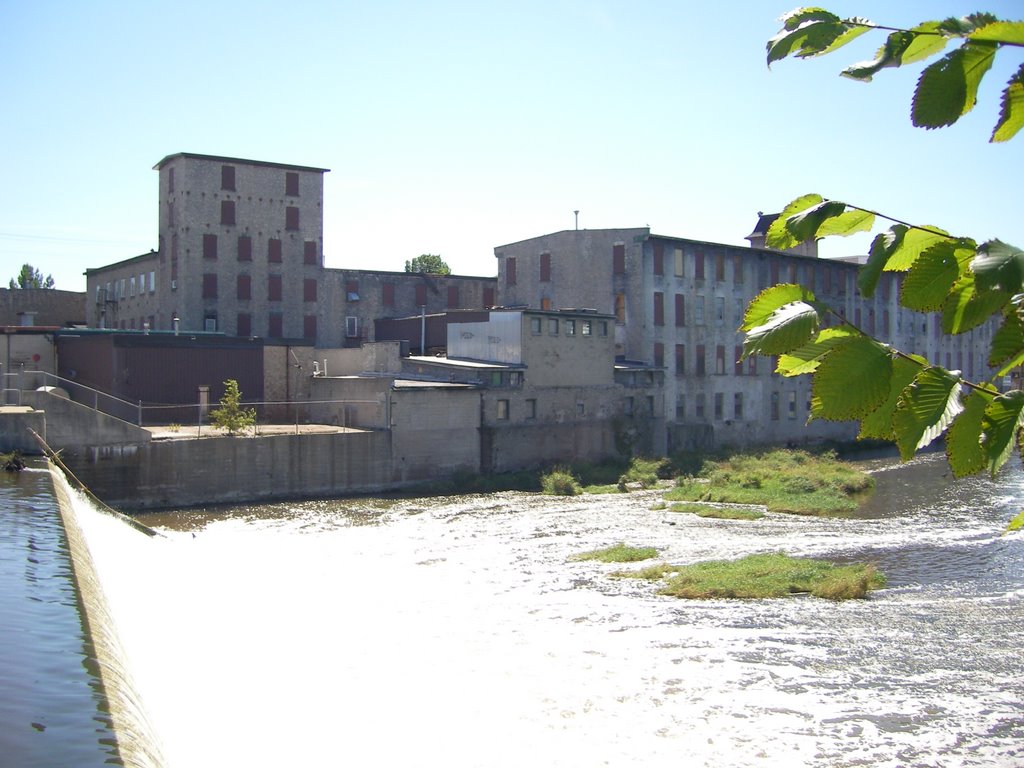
(68, 424)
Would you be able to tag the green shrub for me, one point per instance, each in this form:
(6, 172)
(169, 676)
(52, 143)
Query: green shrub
(231, 416)
(619, 553)
(560, 482)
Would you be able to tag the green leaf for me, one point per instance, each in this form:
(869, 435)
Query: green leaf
(924, 44)
(852, 380)
(1011, 115)
(770, 299)
(803, 30)
(930, 280)
(847, 223)
(788, 327)
(1007, 345)
(967, 308)
(965, 25)
(925, 409)
(1001, 424)
(1000, 32)
(804, 226)
(963, 440)
(778, 235)
(948, 88)
(999, 266)
(903, 245)
(806, 358)
(900, 47)
(877, 425)
(1016, 523)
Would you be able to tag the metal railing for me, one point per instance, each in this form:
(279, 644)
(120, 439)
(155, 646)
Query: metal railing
(185, 414)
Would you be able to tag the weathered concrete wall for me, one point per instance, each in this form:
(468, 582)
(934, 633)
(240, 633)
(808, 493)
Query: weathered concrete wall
(15, 423)
(46, 306)
(526, 446)
(437, 428)
(178, 473)
(350, 401)
(68, 424)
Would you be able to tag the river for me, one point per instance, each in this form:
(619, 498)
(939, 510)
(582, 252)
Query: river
(458, 632)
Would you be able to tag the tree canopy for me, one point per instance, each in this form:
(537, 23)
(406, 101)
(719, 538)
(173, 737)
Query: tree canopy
(897, 396)
(30, 277)
(431, 263)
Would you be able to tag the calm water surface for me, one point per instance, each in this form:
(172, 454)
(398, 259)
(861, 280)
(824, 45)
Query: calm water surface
(51, 704)
(458, 632)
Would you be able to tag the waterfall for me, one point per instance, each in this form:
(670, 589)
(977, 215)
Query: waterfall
(136, 741)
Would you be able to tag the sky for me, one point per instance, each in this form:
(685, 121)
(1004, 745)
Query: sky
(456, 127)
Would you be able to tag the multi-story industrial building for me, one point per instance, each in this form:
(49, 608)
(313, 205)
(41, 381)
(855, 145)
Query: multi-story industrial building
(241, 252)
(678, 304)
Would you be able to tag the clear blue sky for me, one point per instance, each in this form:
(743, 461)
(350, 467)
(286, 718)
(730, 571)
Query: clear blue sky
(453, 127)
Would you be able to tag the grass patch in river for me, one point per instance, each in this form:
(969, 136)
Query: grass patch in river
(720, 511)
(765, 575)
(783, 480)
(618, 553)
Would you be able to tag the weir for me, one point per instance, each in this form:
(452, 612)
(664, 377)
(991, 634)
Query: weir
(137, 744)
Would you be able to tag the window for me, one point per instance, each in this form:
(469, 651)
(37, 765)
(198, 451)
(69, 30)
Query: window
(309, 289)
(244, 248)
(581, 408)
(510, 270)
(274, 288)
(739, 310)
(680, 310)
(570, 327)
(352, 290)
(775, 406)
(737, 269)
(773, 271)
(602, 327)
(659, 354)
(227, 177)
(244, 287)
(719, 310)
(792, 405)
(209, 246)
(720, 267)
(209, 322)
(275, 325)
(453, 297)
(291, 183)
(679, 262)
(698, 406)
(698, 265)
(488, 297)
(552, 326)
(209, 286)
(291, 217)
(421, 295)
(131, 286)
(659, 308)
(752, 365)
(352, 327)
(586, 328)
(629, 406)
(152, 281)
(680, 359)
(531, 408)
(698, 311)
(737, 405)
(227, 212)
(309, 255)
(274, 250)
(719, 406)
(536, 326)
(659, 259)
(170, 180)
(737, 352)
(545, 267)
(495, 378)
(700, 364)
(720, 359)
(309, 326)
(680, 407)
(389, 294)
(620, 307)
(545, 304)
(619, 259)
(502, 413)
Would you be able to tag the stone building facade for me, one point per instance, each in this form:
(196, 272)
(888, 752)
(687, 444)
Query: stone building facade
(241, 252)
(677, 304)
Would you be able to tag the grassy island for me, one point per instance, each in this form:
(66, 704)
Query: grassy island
(790, 481)
(761, 576)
